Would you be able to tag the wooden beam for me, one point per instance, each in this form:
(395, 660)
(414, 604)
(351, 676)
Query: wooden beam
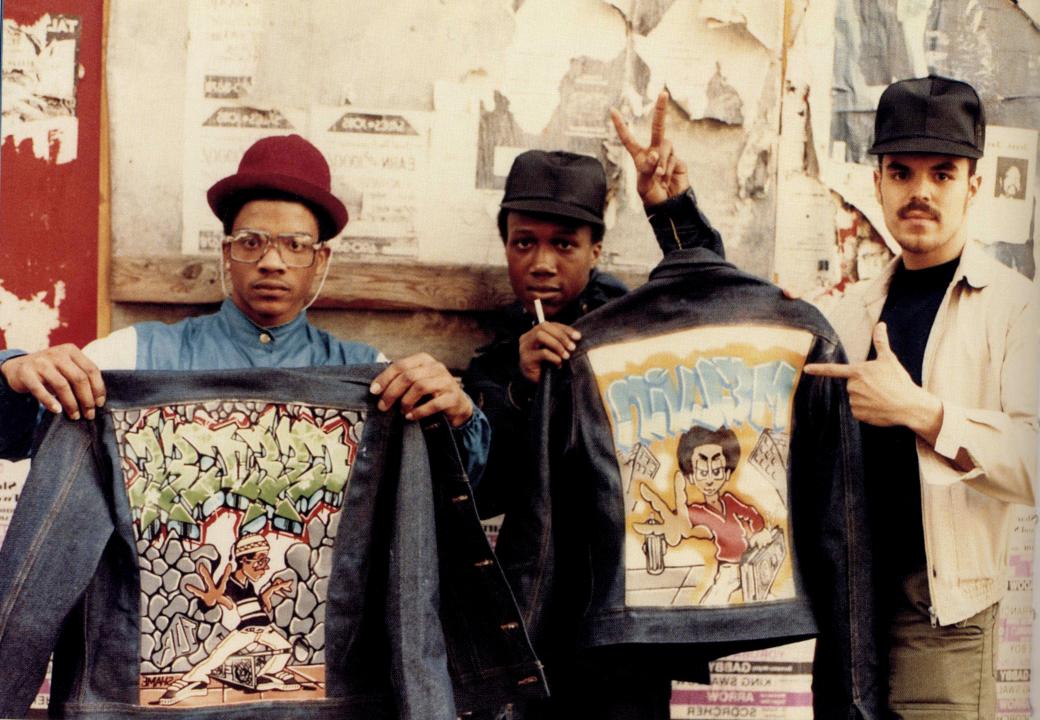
(188, 279)
(449, 337)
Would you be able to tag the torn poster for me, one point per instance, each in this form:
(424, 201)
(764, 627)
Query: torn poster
(1005, 202)
(378, 159)
(219, 125)
(40, 76)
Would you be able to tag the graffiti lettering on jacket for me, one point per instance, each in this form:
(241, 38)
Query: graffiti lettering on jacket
(700, 420)
(716, 391)
(236, 507)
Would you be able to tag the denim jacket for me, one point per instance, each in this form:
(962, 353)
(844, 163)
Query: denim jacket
(253, 544)
(697, 495)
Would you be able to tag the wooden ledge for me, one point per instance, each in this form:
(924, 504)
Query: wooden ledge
(193, 279)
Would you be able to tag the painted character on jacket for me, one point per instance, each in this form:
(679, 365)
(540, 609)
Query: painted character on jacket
(235, 590)
(707, 459)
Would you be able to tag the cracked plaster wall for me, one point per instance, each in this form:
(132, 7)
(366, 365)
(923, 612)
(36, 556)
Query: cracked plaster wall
(540, 74)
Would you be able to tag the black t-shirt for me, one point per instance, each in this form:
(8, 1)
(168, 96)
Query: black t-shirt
(890, 453)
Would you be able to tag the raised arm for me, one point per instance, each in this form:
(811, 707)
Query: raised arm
(663, 184)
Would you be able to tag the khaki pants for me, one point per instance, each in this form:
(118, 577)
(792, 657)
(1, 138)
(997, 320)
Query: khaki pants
(941, 673)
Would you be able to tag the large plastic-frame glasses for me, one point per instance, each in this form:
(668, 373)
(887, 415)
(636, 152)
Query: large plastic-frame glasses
(297, 250)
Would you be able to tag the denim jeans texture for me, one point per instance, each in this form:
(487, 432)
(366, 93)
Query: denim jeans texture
(569, 551)
(417, 620)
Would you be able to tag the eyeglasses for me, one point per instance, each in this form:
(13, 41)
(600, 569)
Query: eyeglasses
(295, 249)
(259, 561)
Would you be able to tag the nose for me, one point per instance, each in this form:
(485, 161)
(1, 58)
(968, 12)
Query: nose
(271, 260)
(544, 261)
(922, 189)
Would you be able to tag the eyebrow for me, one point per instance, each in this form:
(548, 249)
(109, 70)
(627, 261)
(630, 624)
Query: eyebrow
(945, 165)
(561, 232)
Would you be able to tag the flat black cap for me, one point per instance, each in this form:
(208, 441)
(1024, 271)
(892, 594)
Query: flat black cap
(930, 115)
(557, 183)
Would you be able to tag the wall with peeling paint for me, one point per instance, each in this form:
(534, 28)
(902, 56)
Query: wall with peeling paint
(50, 154)
(537, 73)
(831, 89)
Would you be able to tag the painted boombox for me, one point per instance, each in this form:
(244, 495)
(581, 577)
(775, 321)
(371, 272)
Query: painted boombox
(243, 669)
(760, 566)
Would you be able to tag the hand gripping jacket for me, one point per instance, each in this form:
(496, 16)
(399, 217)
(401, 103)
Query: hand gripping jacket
(254, 544)
(696, 494)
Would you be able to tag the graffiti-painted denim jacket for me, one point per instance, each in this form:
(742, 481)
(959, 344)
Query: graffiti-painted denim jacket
(698, 495)
(254, 544)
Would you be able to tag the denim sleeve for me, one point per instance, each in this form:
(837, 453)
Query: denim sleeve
(19, 415)
(474, 438)
(418, 652)
(57, 535)
(834, 546)
(679, 224)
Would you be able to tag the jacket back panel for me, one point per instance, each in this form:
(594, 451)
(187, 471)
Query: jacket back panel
(700, 421)
(236, 506)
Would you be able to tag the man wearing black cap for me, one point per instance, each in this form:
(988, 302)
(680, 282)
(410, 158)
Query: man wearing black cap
(278, 213)
(943, 380)
(551, 222)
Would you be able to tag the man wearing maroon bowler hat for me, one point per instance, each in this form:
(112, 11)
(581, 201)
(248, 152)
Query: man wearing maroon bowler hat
(278, 213)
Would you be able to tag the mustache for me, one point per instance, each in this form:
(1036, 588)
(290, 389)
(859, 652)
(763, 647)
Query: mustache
(918, 206)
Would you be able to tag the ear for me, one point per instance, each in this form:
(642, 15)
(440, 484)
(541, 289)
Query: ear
(974, 183)
(597, 248)
(877, 186)
(321, 257)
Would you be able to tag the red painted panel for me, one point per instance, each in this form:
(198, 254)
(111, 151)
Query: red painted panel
(49, 204)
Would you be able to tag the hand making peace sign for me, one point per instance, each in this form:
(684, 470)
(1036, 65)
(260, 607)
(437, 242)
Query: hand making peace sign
(661, 174)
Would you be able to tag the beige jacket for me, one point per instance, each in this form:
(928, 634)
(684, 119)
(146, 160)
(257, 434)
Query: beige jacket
(981, 361)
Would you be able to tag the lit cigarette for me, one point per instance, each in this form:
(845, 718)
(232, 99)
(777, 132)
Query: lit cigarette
(539, 313)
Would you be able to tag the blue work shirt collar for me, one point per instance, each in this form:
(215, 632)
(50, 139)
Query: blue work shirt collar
(247, 334)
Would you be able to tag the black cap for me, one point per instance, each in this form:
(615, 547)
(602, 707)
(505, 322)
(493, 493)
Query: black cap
(930, 115)
(557, 183)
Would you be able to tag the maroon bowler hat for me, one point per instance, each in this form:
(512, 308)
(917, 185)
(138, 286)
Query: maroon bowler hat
(282, 164)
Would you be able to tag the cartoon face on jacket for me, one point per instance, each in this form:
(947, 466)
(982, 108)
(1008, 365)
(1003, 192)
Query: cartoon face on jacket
(253, 566)
(707, 458)
(709, 469)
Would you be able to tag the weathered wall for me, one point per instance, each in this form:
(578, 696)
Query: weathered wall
(480, 81)
(50, 149)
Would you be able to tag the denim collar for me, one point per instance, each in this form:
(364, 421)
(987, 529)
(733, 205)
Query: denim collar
(680, 262)
(245, 333)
